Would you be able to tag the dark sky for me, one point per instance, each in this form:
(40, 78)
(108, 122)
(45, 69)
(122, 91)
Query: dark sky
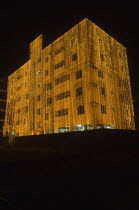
(20, 28)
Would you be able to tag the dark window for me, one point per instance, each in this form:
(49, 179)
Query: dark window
(46, 59)
(38, 97)
(79, 74)
(39, 60)
(74, 57)
(60, 64)
(38, 111)
(62, 79)
(79, 92)
(100, 73)
(27, 95)
(47, 116)
(63, 95)
(103, 109)
(103, 91)
(26, 108)
(19, 77)
(49, 86)
(46, 72)
(18, 111)
(102, 57)
(59, 50)
(80, 110)
(73, 41)
(17, 122)
(62, 112)
(48, 101)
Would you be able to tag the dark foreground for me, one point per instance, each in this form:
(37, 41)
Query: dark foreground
(82, 170)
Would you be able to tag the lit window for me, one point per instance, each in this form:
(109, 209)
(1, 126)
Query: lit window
(39, 84)
(38, 125)
(39, 72)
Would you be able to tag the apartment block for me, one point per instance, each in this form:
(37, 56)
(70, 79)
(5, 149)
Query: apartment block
(79, 82)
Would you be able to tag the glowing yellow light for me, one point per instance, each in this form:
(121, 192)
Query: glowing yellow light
(82, 78)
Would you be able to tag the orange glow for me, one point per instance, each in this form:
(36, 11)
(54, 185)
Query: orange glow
(80, 81)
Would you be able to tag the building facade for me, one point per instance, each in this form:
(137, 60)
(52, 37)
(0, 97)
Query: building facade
(79, 82)
(3, 93)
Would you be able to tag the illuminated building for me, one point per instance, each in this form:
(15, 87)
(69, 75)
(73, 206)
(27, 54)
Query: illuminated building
(79, 82)
(3, 93)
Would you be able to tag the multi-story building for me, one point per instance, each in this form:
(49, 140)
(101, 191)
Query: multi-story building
(80, 81)
(3, 93)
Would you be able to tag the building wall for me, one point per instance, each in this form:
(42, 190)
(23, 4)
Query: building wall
(3, 93)
(80, 81)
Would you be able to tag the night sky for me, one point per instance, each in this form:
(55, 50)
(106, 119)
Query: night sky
(20, 27)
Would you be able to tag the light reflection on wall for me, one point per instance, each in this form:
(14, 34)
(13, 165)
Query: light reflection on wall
(79, 82)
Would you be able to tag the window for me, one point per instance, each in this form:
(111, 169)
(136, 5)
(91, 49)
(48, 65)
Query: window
(19, 77)
(25, 109)
(100, 73)
(79, 92)
(46, 59)
(59, 50)
(73, 41)
(103, 109)
(102, 57)
(39, 84)
(38, 125)
(38, 97)
(48, 101)
(74, 57)
(79, 74)
(103, 91)
(39, 60)
(18, 88)
(17, 122)
(62, 79)
(39, 72)
(62, 112)
(46, 72)
(47, 116)
(27, 95)
(63, 95)
(48, 86)
(38, 111)
(60, 64)
(80, 110)
(18, 111)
